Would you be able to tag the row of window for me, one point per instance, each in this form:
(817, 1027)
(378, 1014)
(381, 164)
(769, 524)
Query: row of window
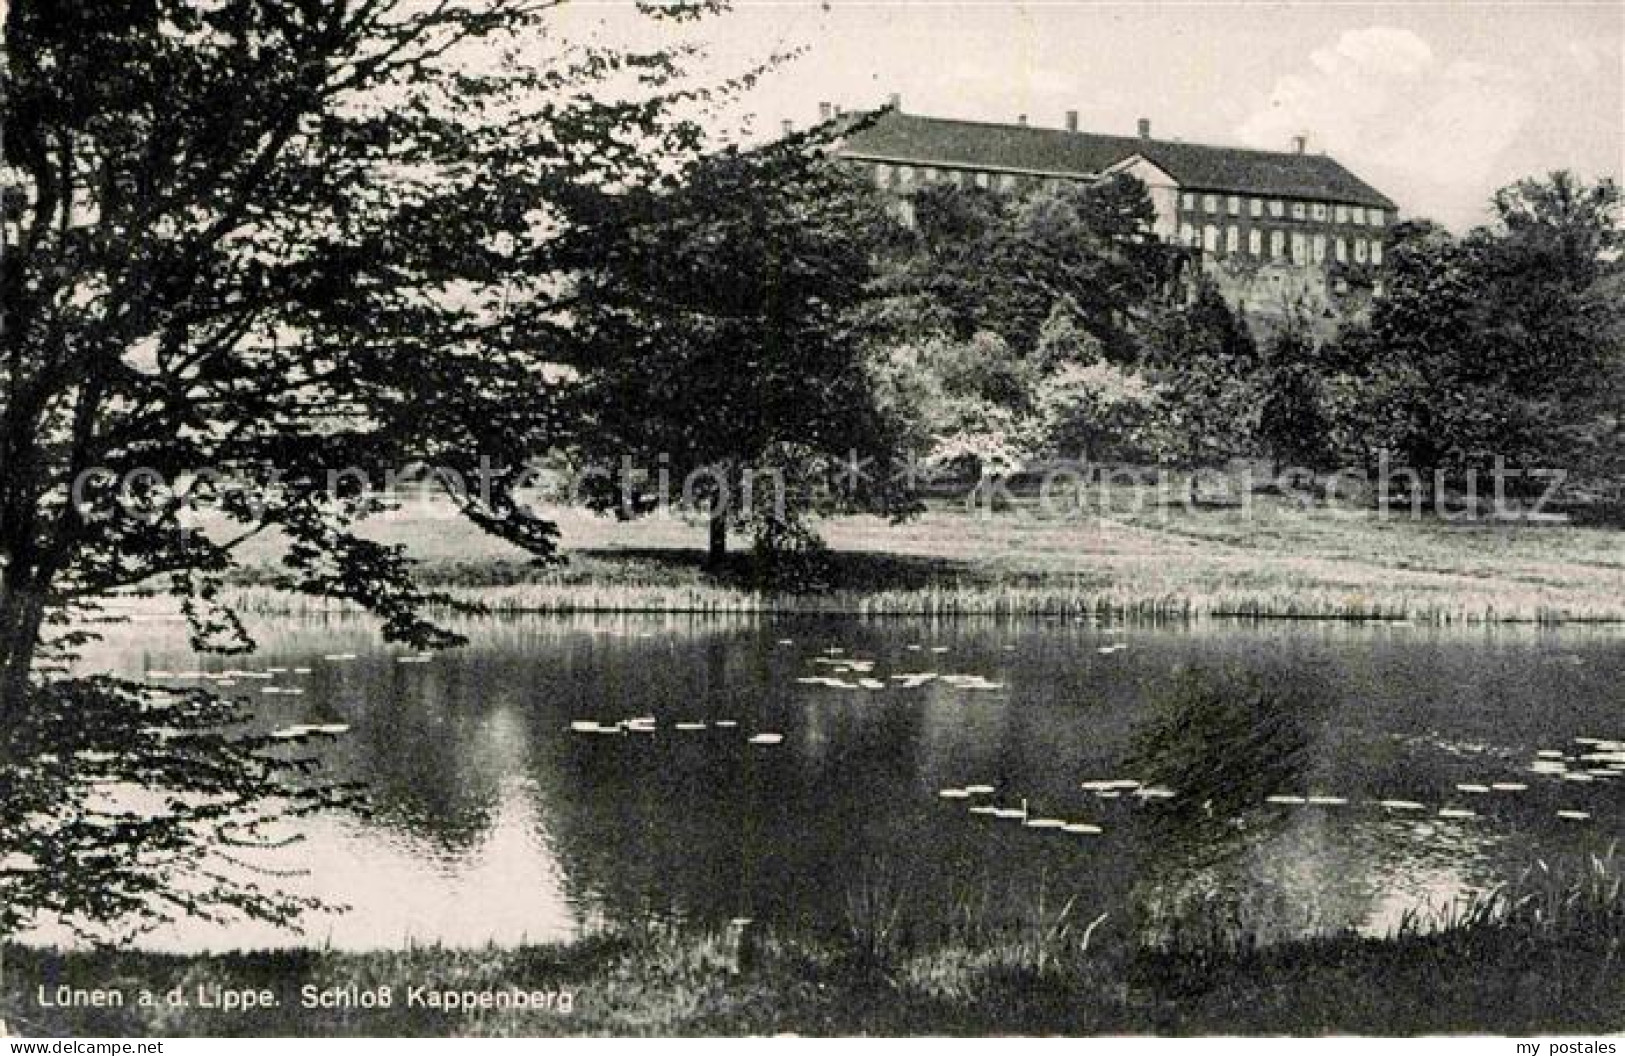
(1277, 209)
(1293, 247)
(903, 176)
(891, 176)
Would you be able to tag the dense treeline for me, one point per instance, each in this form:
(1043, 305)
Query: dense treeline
(775, 313)
(1052, 328)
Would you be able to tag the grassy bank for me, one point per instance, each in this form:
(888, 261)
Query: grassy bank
(1129, 554)
(1545, 957)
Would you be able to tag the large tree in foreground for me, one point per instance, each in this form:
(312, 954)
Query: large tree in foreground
(719, 351)
(257, 253)
(255, 248)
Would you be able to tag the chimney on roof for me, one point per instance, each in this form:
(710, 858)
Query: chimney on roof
(1145, 128)
(896, 102)
(786, 127)
(1299, 144)
(1021, 119)
(826, 111)
(1071, 120)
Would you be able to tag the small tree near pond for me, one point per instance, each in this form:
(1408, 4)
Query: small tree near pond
(718, 362)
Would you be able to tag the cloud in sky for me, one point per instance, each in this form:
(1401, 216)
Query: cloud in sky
(1432, 133)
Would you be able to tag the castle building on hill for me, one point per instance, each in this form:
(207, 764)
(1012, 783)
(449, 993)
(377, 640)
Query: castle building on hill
(1270, 227)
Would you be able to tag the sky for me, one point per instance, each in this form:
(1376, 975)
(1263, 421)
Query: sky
(1435, 104)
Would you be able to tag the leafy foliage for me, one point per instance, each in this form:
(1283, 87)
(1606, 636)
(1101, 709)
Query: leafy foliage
(1294, 425)
(259, 254)
(713, 340)
(1502, 344)
(255, 247)
(1100, 412)
(962, 408)
(1202, 360)
(993, 314)
(985, 261)
(124, 806)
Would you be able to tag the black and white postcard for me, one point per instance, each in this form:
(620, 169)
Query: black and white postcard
(804, 517)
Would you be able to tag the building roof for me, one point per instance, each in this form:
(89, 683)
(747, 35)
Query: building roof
(893, 135)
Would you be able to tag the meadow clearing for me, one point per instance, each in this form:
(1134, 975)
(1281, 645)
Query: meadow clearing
(1127, 552)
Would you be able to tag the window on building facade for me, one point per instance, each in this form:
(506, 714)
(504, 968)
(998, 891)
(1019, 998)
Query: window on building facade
(1342, 214)
(1275, 207)
(1187, 234)
(928, 174)
(1317, 249)
(883, 173)
(1376, 251)
(1374, 217)
(905, 175)
(1007, 182)
(1277, 245)
(981, 179)
(1318, 210)
(1357, 215)
(1359, 250)
(1210, 238)
(1188, 202)
(1342, 250)
(1255, 206)
(1297, 210)
(1233, 205)
(1232, 239)
(1255, 242)
(1299, 251)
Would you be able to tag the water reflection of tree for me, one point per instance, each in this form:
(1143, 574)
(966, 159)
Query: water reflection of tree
(1223, 740)
(426, 754)
(124, 807)
(706, 826)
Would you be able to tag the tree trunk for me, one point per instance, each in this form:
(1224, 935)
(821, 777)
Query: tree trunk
(717, 549)
(22, 610)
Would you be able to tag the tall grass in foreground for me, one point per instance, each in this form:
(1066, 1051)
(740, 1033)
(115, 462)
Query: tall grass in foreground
(1547, 905)
(1009, 601)
(1541, 955)
(1576, 896)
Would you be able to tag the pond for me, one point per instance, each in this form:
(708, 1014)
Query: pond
(794, 770)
